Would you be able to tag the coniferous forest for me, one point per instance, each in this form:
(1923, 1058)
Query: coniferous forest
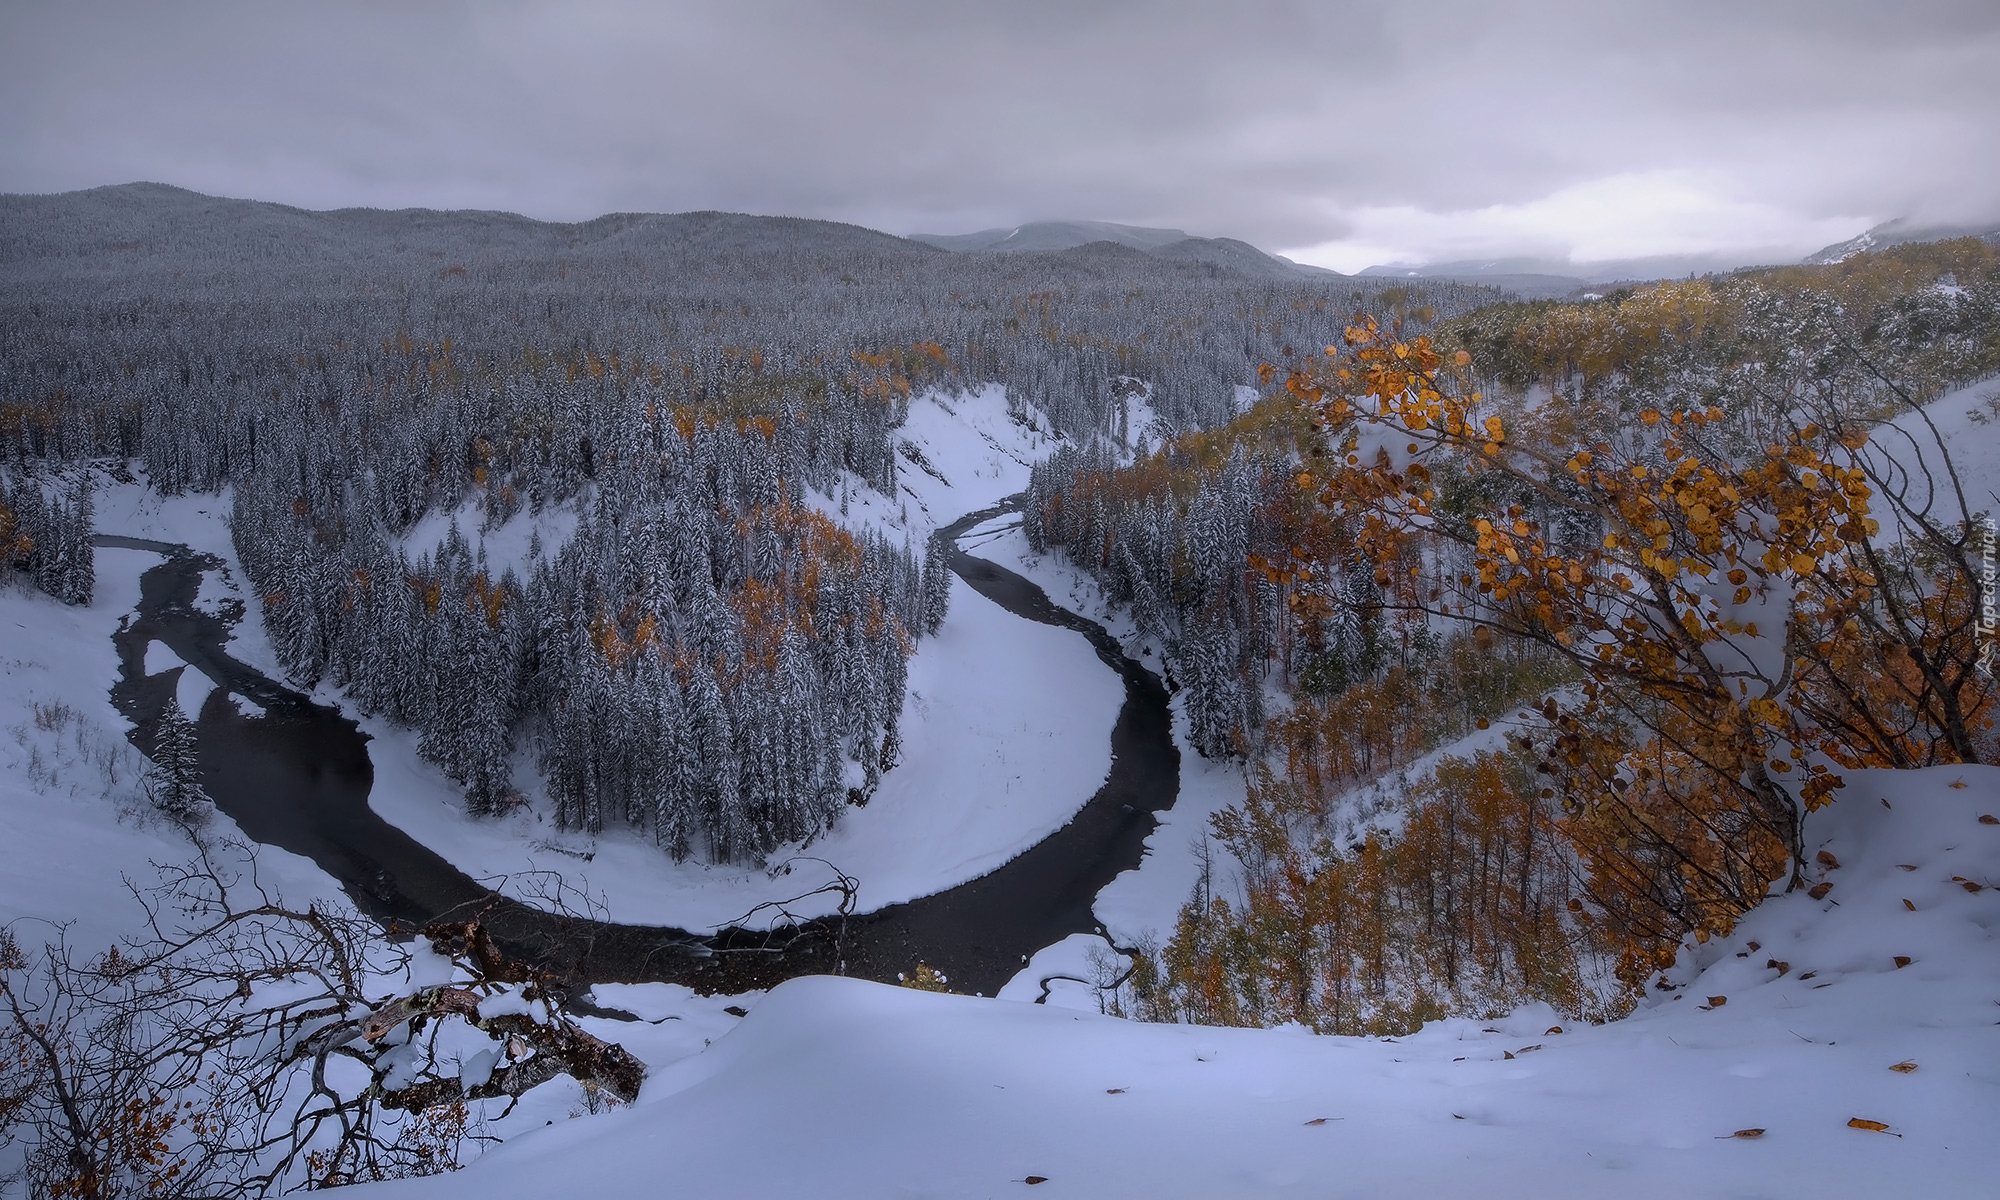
(706, 656)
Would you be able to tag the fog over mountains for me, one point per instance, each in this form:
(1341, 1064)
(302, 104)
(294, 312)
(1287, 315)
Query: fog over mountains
(1543, 278)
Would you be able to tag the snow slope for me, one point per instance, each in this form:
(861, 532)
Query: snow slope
(1968, 423)
(74, 822)
(835, 1088)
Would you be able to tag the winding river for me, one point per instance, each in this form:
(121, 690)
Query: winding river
(297, 776)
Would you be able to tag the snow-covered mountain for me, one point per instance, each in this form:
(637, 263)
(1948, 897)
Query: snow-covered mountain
(1897, 232)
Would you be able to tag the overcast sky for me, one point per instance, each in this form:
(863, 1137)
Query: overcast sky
(1340, 133)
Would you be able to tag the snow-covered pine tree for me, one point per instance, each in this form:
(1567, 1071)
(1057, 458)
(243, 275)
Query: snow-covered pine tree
(936, 589)
(173, 780)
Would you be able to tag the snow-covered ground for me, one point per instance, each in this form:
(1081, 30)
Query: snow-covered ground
(1142, 903)
(1967, 421)
(74, 822)
(1006, 732)
(1874, 1005)
(1800, 1024)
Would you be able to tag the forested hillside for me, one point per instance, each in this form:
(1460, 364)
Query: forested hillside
(708, 656)
(1570, 519)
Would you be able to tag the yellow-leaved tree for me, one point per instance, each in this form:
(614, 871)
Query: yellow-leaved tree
(1756, 599)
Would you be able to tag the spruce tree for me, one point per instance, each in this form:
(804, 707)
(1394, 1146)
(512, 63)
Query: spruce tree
(173, 781)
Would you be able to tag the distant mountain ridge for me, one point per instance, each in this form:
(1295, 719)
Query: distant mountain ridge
(1898, 232)
(1061, 237)
(126, 224)
(112, 232)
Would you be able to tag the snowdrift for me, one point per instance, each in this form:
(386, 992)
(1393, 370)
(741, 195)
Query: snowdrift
(1876, 1003)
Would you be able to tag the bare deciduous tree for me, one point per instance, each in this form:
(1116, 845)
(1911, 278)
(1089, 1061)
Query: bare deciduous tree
(242, 1046)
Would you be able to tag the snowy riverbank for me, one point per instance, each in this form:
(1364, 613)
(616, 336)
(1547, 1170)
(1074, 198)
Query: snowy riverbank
(904, 1093)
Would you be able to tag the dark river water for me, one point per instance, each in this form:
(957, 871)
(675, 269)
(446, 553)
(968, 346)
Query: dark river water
(297, 776)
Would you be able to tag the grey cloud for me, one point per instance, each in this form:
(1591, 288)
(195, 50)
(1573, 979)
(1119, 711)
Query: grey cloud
(1274, 122)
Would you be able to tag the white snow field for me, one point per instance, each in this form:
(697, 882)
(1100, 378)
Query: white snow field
(837, 1088)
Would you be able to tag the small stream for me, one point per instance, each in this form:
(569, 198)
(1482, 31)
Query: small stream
(297, 776)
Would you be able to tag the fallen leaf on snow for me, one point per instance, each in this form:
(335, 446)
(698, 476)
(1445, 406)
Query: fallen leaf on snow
(1743, 1133)
(1871, 1126)
(1717, 1001)
(1905, 1067)
(1902, 960)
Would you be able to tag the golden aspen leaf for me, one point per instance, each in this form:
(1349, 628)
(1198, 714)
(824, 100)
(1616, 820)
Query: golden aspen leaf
(1650, 417)
(1746, 1134)
(1865, 1123)
(1958, 784)
(1552, 1029)
(1717, 1001)
(1826, 859)
(1904, 1067)
(1462, 359)
(1910, 906)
